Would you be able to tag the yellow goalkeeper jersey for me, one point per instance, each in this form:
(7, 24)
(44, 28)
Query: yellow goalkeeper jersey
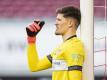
(66, 60)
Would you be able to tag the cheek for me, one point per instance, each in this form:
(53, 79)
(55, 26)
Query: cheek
(64, 26)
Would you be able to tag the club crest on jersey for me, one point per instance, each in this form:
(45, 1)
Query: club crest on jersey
(58, 52)
(77, 57)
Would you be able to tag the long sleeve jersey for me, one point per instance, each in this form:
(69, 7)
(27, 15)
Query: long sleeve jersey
(66, 60)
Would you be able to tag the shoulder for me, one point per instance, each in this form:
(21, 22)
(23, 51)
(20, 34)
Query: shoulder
(74, 45)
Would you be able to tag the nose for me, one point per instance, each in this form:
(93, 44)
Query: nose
(56, 23)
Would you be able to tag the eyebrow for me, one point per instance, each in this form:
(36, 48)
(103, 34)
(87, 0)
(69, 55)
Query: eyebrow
(58, 18)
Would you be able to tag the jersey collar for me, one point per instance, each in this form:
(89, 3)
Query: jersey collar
(71, 37)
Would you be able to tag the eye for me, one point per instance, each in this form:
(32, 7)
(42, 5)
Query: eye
(59, 19)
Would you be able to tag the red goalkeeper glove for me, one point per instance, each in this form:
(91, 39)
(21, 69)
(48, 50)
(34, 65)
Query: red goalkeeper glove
(33, 29)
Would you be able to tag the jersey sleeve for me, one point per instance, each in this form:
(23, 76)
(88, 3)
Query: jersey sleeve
(36, 64)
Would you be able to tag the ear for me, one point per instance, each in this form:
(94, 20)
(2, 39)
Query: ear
(70, 23)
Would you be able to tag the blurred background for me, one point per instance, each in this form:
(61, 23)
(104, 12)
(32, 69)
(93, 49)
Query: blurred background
(15, 15)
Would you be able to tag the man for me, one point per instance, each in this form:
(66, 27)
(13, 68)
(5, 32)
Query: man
(67, 59)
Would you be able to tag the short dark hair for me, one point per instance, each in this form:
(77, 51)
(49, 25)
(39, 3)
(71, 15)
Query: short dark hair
(70, 11)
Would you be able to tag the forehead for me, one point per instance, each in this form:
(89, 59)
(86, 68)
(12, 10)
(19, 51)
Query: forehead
(60, 16)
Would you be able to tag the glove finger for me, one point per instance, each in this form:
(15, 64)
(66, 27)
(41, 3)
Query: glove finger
(30, 28)
(41, 23)
(33, 27)
(36, 26)
(36, 21)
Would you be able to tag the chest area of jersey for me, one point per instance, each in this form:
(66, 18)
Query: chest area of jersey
(58, 62)
(58, 54)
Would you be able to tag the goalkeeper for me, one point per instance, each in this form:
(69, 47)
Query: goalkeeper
(67, 59)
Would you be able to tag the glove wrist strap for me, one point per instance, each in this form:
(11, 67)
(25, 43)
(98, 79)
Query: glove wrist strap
(31, 40)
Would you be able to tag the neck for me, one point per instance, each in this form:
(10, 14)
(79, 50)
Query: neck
(67, 35)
